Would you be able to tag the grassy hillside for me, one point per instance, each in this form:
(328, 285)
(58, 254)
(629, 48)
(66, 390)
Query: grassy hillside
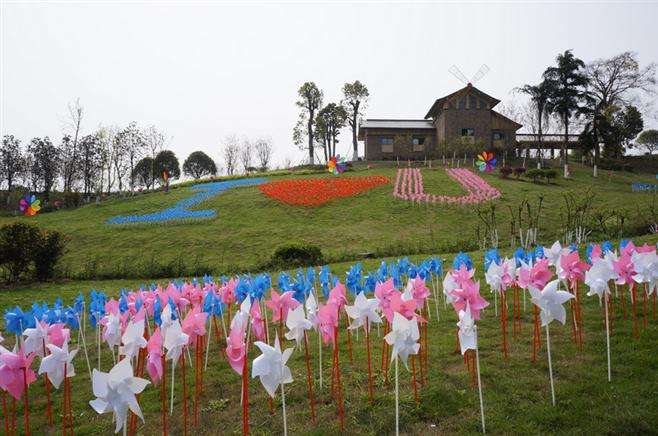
(249, 225)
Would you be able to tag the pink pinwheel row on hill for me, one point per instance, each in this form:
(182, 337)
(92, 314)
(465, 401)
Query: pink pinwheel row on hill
(409, 186)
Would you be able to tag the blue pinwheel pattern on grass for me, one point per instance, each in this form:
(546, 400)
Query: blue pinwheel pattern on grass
(180, 210)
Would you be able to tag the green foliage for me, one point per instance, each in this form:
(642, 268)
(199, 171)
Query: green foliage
(143, 172)
(48, 249)
(199, 164)
(295, 255)
(17, 241)
(519, 171)
(549, 174)
(534, 174)
(166, 160)
(648, 141)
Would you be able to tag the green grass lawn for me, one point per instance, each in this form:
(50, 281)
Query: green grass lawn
(249, 225)
(516, 393)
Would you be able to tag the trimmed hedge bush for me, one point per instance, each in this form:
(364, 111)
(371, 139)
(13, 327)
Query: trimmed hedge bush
(293, 256)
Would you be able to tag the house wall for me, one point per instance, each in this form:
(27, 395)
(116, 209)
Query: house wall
(373, 144)
(454, 120)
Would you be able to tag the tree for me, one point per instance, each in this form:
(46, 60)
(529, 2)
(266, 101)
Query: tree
(624, 124)
(69, 151)
(566, 83)
(648, 141)
(263, 148)
(167, 161)
(143, 172)
(90, 162)
(615, 82)
(246, 152)
(45, 164)
(199, 164)
(118, 158)
(539, 95)
(132, 144)
(330, 120)
(12, 162)
(155, 141)
(355, 99)
(105, 139)
(230, 152)
(310, 100)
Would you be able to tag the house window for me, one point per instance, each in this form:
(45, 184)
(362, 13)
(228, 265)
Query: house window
(498, 136)
(472, 102)
(418, 143)
(468, 132)
(462, 103)
(387, 144)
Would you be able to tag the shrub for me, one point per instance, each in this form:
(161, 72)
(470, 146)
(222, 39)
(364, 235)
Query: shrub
(535, 174)
(47, 252)
(17, 241)
(549, 174)
(519, 171)
(292, 256)
(505, 172)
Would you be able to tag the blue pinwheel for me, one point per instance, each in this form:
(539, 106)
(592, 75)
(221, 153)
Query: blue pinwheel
(462, 259)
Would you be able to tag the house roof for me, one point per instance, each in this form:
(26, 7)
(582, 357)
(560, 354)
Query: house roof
(505, 119)
(439, 102)
(396, 124)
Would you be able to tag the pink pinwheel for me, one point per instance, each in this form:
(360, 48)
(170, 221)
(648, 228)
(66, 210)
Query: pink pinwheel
(383, 293)
(236, 349)
(227, 292)
(624, 269)
(194, 324)
(462, 275)
(280, 304)
(11, 371)
(469, 294)
(646, 248)
(419, 291)
(572, 268)
(405, 305)
(628, 248)
(328, 321)
(537, 276)
(57, 334)
(257, 322)
(154, 358)
(338, 296)
(509, 273)
(596, 254)
(112, 306)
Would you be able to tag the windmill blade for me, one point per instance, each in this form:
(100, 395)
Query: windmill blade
(458, 74)
(484, 69)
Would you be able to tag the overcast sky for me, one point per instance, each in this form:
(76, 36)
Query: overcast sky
(201, 71)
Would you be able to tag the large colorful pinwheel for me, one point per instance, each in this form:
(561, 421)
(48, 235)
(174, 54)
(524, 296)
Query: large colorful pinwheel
(486, 162)
(336, 165)
(29, 205)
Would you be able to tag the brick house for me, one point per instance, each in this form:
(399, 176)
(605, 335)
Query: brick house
(463, 119)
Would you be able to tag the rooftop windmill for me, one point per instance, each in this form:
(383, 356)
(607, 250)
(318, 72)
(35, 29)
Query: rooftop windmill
(455, 71)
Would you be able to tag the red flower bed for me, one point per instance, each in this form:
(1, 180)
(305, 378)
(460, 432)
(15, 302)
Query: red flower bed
(314, 192)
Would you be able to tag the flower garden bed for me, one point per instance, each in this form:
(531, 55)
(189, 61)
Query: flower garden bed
(409, 186)
(180, 212)
(314, 192)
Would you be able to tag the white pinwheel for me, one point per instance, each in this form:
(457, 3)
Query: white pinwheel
(554, 253)
(241, 318)
(550, 301)
(166, 319)
(115, 392)
(598, 276)
(35, 338)
(449, 285)
(174, 341)
(494, 276)
(645, 266)
(467, 334)
(54, 363)
(112, 331)
(403, 337)
(133, 339)
(312, 308)
(363, 312)
(271, 367)
(297, 324)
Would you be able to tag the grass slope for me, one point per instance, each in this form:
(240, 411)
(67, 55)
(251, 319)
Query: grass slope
(250, 225)
(516, 393)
